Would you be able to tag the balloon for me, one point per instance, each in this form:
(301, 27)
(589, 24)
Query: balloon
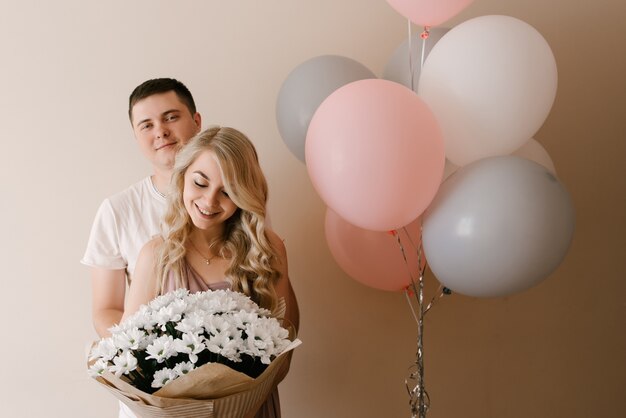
(491, 82)
(374, 258)
(498, 226)
(532, 150)
(305, 88)
(429, 12)
(374, 153)
(398, 68)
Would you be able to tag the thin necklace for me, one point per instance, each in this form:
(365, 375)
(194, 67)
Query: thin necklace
(206, 260)
(157, 190)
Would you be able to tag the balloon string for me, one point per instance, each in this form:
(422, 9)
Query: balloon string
(413, 285)
(403, 252)
(408, 300)
(419, 400)
(442, 290)
(417, 249)
(424, 35)
(410, 54)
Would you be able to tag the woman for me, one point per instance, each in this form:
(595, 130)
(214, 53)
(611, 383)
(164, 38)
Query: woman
(214, 233)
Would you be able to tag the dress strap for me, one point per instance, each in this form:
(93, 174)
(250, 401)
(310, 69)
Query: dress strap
(281, 308)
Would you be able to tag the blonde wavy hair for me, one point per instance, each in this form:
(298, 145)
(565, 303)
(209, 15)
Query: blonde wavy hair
(244, 241)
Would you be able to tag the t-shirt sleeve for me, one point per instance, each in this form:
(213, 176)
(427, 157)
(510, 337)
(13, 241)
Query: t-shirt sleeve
(103, 247)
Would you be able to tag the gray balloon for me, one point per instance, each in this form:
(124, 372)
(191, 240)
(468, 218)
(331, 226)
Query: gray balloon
(497, 226)
(305, 89)
(398, 66)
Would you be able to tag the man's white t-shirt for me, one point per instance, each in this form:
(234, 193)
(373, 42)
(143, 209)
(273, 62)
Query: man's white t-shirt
(123, 224)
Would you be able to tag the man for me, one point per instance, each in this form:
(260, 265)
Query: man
(163, 116)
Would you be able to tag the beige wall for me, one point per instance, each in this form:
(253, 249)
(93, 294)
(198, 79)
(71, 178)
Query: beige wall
(66, 68)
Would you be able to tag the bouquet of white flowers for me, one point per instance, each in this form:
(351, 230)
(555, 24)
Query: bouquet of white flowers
(208, 351)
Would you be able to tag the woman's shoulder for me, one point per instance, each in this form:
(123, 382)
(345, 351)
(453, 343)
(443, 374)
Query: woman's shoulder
(150, 247)
(278, 245)
(276, 241)
(155, 241)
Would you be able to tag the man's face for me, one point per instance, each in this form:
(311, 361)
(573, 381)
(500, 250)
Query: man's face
(162, 124)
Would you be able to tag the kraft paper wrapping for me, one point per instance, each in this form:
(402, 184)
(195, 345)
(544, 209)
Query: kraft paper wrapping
(210, 391)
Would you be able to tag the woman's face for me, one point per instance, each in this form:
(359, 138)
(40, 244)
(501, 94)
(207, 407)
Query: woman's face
(204, 196)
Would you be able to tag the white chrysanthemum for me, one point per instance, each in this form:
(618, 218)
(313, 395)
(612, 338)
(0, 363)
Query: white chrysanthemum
(184, 368)
(161, 349)
(142, 319)
(146, 341)
(179, 306)
(105, 349)
(123, 364)
(162, 377)
(191, 323)
(215, 324)
(244, 303)
(226, 344)
(242, 318)
(164, 300)
(160, 301)
(259, 341)
(220, 302)
(173, 312)
(117, 328)
(193, 298)
(281, 340)
(98, 368)
(190, 344)
(129, 339)
(180, 293)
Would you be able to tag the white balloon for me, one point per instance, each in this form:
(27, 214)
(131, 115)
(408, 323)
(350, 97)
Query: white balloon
(497, 226)
(491, 82)
(533, 151)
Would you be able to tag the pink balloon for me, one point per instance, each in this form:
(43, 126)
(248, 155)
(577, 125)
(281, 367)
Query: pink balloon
(429, 12)
(375, 154)
(374, 258)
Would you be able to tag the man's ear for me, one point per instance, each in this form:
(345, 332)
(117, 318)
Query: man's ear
(198, 119)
